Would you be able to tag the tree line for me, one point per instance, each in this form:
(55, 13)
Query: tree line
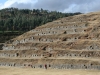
(14, 19)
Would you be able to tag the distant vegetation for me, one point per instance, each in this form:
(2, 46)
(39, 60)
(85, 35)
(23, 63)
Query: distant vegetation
(14, 21)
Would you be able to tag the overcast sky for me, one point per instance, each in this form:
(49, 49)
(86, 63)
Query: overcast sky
(83, 6)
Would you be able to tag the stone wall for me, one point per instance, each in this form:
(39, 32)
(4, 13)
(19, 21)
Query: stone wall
(50, 54)
(9, 54)
(93, 47)
(52, 66)
(47, 48)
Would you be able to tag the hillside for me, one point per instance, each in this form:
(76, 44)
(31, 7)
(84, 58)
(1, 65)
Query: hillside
(15, 21)
(67, 43)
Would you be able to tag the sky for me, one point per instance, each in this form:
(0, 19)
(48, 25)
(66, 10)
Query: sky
(84, 6)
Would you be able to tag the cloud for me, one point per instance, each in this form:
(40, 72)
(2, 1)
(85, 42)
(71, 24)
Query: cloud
(58, 5)
(18, 4)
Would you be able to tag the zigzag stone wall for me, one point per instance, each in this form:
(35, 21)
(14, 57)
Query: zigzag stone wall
(52, 66)
(60, 45)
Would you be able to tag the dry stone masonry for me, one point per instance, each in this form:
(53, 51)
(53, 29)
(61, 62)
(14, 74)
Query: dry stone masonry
(68, 43)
